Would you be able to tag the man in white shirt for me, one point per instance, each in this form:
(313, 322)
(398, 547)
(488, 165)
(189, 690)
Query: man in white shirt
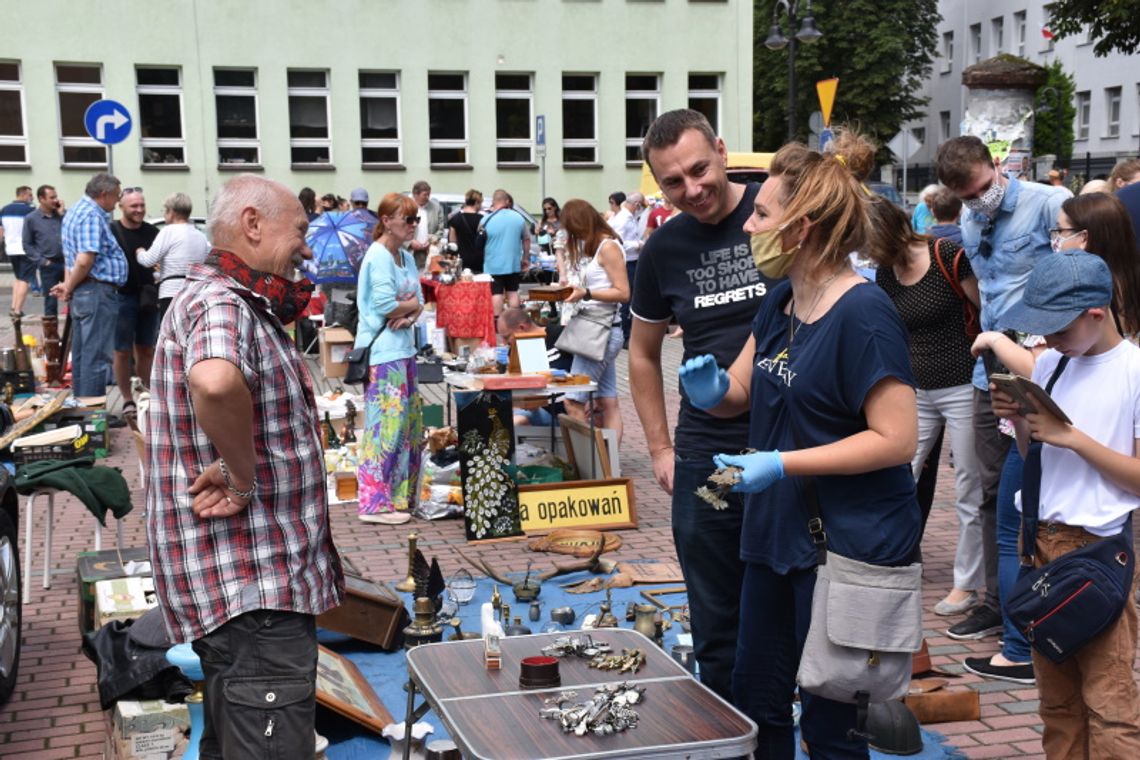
(12, 232)
(629, 224)
(432, 225)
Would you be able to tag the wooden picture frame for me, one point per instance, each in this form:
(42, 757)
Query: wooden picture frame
(584, 504)
(581, 449)
(342, 688)
(517, 363)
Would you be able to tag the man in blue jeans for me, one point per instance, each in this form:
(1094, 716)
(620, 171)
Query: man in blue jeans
(697, 270)
(1005, 228)
(96, 267)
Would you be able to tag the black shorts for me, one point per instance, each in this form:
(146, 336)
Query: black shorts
(25, 269)
(508, 283)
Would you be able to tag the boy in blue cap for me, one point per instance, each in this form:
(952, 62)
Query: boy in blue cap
(1090, 483)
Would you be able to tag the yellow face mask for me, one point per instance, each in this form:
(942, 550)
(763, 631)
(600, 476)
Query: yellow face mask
(769, 255)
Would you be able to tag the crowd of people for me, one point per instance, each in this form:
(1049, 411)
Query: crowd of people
(837, 388)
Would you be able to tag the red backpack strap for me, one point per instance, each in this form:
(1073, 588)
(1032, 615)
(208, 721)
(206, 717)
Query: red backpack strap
(952, 279)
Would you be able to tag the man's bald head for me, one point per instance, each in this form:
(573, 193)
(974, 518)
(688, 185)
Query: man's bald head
(260, 221)
(243, 191)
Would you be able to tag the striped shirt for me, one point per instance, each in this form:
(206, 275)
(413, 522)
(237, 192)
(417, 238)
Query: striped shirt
(278, 552)
(86, 230)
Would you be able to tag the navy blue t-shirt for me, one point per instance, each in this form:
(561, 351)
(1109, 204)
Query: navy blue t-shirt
(703, 276)
(826, 374)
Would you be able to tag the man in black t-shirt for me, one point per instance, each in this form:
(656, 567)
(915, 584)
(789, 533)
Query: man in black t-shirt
(697, 270)
(137, 327)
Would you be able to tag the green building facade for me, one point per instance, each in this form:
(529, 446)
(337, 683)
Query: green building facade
(355, 93)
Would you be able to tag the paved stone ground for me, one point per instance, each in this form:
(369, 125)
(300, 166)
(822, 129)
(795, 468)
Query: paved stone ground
(54, 712)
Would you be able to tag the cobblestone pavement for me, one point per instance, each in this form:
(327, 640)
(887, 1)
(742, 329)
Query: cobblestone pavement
(54, 712)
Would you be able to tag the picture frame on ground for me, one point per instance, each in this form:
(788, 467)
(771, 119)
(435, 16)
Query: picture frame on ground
(342, 688)
(582, 449)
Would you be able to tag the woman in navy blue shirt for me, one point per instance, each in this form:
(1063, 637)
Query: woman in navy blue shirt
(828, 356)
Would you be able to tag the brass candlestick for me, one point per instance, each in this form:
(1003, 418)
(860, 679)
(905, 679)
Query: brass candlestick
(409, 583)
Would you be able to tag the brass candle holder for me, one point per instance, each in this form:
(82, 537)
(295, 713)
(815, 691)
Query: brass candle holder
(409, 583)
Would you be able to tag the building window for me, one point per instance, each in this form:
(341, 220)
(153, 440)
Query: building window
(1112, 111)
(1019, 32)
(13, 134)
(944, 126)
(976, 43)
(579, 118)
(310, 137)
(160, 116)
(947, 51)
(1046, 27)
(642, 102)
(514, 99)
(1083, 107)
(77, 87)
(447, 118)
(704, 96)
(235, 101)
(380, 118)
(997, 35)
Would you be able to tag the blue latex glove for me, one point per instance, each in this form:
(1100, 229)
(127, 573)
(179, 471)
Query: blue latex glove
(705, 383)
(760, 469)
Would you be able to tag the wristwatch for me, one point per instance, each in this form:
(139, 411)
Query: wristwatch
(589, 296)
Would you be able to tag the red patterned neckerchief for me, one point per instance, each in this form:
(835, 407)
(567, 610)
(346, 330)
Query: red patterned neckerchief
(286, 298)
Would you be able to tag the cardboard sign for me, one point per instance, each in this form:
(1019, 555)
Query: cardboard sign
(597, 504)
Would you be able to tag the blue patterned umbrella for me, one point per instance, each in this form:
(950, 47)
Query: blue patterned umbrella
(339, 240)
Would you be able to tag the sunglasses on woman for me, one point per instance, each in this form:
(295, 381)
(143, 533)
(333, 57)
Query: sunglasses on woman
(412, 219)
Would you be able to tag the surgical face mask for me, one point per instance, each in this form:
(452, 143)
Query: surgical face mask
(989, 201)
(1057, 240)
(769, 255)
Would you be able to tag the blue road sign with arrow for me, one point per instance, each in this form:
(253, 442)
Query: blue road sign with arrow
(107, 121)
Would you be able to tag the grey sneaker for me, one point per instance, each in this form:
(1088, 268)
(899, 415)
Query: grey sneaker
(982, 622)
(945, 608)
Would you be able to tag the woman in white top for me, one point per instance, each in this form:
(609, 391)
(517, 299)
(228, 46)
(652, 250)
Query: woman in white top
(596, 268)
(178, 245)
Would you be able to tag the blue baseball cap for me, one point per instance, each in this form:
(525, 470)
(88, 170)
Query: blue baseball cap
(1060, 288)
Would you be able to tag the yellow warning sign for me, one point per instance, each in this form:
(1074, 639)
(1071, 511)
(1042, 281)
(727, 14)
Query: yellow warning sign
(826, 89)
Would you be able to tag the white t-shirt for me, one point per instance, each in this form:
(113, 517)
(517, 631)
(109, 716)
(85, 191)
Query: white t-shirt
(1101, 395)
(174, 250)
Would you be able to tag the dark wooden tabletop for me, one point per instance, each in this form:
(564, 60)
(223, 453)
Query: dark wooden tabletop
(489, 716)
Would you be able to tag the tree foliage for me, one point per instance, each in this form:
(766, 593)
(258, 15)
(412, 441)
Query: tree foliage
(1114, 25)
(881, 50)
(1045, 123)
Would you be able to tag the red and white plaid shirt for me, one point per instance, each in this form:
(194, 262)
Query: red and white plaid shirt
(278, 552)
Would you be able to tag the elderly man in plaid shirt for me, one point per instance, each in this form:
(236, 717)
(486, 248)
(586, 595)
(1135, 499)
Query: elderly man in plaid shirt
(96, 267)
(237, 515)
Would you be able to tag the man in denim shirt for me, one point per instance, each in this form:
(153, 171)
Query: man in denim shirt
(1005, 229)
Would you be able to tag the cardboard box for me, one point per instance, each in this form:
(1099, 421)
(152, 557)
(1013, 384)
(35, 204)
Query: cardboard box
(123, 599)
(335, 342)
(105, 565)
(147, 730)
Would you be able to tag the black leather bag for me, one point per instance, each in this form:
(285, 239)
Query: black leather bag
(1066, 603)
(359, 361)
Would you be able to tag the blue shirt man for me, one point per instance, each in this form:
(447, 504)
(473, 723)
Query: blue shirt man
(507, 246)
(96, 267)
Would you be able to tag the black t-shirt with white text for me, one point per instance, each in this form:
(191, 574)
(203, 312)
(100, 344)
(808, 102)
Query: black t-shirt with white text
(703, 276)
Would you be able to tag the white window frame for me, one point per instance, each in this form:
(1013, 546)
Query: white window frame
(528, 142)
(705, 94)
(384, 93)
(947, 51)
(1046, 20)
(975, 32)
(20, 140)
(591, 143)
(1111, 126)
(654, 96)
(311, 142)
(451, 144)
(238, 92)
(161, 142)
(1019, 31)
(997, 35)
(1083, 115)
(77, 142)
(944, 122)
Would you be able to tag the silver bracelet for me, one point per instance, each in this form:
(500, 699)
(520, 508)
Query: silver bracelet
(247, 494)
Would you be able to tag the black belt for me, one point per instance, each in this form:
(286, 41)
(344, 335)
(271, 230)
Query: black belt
(101, 282)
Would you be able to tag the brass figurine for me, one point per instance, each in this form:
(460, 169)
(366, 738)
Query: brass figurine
(409, 584)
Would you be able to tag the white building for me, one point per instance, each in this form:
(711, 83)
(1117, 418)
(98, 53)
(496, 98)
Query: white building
(1107, 125)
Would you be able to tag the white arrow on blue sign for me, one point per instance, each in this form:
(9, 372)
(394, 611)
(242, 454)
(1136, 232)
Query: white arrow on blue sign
(108, 121)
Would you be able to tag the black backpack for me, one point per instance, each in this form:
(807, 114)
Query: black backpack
(479, 239)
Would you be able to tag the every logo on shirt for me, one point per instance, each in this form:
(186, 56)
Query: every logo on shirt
(726, 275)
(778, 366)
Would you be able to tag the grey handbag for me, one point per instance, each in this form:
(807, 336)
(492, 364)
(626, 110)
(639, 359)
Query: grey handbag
(866, 622)
(588, 331)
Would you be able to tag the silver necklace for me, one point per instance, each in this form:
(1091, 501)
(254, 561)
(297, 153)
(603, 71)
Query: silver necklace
(792, 327)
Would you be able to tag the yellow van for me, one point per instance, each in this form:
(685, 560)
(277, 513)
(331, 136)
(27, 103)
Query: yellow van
(742, 168)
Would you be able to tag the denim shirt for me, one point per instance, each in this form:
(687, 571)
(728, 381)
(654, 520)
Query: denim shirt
(1018, 236)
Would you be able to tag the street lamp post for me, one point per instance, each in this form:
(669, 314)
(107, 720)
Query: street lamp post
(1056, 108)
(807, 34)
